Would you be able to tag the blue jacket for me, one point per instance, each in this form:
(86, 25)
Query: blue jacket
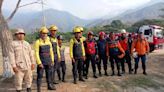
(101, 44)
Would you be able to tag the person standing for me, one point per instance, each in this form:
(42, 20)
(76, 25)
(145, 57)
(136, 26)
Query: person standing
(53, 30)
(101, 44)
(83, 39)
(77, 54)
(44, 59)
(141, 47)
(115, 52)
(91, 53)
(62, 62)
(22, 61)
(127, 58)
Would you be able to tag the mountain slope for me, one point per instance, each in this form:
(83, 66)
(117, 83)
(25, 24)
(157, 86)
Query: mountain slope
(30, 21)
(130, 16)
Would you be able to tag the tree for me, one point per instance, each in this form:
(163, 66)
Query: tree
(117, 24)
(6, 38)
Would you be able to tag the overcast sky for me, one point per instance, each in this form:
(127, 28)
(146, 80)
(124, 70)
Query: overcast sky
(86, 9)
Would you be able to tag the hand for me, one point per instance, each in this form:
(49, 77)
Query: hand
(32, 67)
(83, 58)
(59, 59)
(15, 69)
(131, 53)
(97, 56)
(41, 65)
(121, 56)
(107, 56)
(52, 64)
(73, 60)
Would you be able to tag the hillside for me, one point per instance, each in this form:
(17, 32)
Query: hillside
(132, 16)
(30, 21)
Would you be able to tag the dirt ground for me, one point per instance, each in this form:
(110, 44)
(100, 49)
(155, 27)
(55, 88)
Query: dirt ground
(153, 82)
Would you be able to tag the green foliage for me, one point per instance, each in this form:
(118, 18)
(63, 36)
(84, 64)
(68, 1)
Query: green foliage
(66, 36)
(32, 37)
(117, 24)
(136, 26)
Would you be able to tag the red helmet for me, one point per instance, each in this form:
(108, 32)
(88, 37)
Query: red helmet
(90, 33)
(101, 33)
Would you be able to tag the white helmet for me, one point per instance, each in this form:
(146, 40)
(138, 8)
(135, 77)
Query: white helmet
(123, 31)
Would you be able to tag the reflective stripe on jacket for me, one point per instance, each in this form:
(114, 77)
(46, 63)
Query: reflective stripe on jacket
(76, 46)
(37, 45)
(55, 46)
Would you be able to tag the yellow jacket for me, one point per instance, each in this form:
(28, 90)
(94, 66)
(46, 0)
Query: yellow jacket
(52, 39)
(39, 43)
(72, 41)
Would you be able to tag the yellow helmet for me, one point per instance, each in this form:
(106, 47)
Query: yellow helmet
(53, 27)
(76, 30)
(43, 30)
(80, 27)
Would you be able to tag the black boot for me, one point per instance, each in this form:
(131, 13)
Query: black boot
(119, 73)
(63, 79)
(59, 78)
(106, 74)
(18, 90)
(54, 82)
(144, 69)
(130, 72)
(75, 82)
(135, 72)
(94, 75)
(112, 73)
(51, 87)
(86, 77)
(144, 73)
(81, 78)
(123, 72)
(100, 73)
(38, 88)
(28, 89)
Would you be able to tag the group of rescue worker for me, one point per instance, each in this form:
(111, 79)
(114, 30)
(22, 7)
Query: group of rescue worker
(117, 49)
(49, 56)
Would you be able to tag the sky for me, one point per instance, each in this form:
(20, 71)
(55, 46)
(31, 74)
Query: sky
(86, 9)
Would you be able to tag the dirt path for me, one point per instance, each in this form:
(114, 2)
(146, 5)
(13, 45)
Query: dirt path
(154, 82)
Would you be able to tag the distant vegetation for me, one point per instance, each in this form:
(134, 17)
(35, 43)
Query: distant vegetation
(115, 26)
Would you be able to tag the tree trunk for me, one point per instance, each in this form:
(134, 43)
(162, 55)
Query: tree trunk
(5, 39)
